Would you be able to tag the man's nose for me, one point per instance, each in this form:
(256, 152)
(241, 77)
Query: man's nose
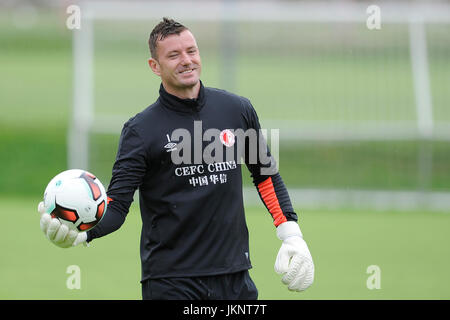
(185, 59)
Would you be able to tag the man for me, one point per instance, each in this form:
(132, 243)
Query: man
(194, 240)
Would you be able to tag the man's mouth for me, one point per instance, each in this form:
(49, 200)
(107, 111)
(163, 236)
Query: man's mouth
(187, 71)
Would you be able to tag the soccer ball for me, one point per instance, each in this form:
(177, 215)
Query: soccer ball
(77, 198)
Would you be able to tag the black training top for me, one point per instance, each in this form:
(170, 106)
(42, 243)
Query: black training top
(190, 183)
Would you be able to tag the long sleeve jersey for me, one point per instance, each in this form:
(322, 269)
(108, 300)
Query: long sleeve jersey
(191, 201)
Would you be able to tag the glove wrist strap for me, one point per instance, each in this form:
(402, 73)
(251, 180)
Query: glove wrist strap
(288, 229)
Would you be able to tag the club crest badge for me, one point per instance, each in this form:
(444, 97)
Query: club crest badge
(227, 138)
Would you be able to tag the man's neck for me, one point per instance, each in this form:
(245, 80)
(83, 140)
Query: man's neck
(185, 93)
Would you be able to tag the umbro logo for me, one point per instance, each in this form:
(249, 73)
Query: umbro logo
(170, 146)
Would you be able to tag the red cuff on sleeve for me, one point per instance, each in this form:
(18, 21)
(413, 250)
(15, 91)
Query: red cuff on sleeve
(268, 195)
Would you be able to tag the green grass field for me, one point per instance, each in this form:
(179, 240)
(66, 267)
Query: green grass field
(411, 250)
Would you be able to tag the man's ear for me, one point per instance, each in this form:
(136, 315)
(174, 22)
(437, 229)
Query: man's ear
(154, 65)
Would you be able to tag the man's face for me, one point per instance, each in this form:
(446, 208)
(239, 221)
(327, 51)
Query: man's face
(178, 61)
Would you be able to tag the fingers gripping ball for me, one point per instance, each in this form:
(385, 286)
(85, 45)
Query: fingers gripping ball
(77, 199)
(59, 234)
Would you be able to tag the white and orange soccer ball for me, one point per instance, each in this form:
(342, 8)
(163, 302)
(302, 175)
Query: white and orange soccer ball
(77, 198)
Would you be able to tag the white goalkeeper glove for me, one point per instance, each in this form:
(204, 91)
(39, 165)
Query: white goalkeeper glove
(58, 233)
(294, 260)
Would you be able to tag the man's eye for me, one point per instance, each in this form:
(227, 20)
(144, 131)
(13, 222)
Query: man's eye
(173, 56)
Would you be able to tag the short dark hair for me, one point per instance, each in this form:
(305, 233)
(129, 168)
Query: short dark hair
(161, 31)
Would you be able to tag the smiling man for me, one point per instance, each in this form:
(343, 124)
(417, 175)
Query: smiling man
(176, 60)
(194, 240)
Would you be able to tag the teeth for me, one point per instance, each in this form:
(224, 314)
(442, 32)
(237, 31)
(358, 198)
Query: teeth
(188, 71)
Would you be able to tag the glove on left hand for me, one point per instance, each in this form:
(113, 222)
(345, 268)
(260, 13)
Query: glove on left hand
(294, 260)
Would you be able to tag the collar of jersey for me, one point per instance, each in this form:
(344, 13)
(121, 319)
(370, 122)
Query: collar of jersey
(182, 105)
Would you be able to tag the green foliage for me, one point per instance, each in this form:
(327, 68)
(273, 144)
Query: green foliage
(29, 159)
(36, 101)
